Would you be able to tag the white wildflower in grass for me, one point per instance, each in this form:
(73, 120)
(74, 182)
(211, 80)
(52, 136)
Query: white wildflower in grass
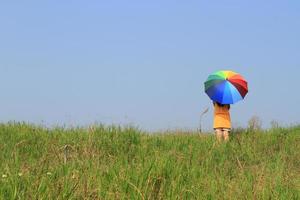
(49, 173)
(20, 174)
(73, 176)
(4, 176)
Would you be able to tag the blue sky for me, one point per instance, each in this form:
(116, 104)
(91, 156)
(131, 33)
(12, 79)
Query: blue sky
(144, 62)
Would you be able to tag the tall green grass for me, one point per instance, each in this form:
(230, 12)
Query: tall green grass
(111, 162)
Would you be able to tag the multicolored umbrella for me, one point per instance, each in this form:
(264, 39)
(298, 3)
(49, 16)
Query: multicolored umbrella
(226, 87)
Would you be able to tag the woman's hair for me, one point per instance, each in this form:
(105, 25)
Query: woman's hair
(221, 105)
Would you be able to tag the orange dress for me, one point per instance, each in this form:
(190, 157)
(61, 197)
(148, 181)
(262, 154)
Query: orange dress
(222, 117)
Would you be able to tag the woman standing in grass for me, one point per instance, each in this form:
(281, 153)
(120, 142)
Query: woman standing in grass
(222, 122)
(224, 88)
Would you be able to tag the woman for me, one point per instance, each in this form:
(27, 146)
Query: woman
(222, 122)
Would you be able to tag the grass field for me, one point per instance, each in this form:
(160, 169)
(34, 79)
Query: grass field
(125, 163)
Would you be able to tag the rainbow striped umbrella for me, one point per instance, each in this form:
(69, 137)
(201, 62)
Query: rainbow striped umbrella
(226, 87)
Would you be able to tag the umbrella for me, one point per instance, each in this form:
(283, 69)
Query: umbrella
(226, 87)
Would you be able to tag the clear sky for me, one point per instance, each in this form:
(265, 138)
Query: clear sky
(144, 62)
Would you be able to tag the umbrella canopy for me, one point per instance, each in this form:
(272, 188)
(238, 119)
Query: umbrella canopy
(226, 87)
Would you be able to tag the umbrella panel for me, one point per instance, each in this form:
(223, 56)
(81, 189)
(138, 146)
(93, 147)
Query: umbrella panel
(241, 86)
(215, 92)
(215, 77)
(211, 83)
